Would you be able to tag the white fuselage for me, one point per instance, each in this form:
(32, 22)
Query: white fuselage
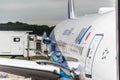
(91, 40)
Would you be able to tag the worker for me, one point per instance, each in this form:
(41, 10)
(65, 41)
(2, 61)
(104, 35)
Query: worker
(58, 58)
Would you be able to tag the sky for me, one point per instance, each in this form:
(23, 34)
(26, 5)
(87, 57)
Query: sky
(49, 12)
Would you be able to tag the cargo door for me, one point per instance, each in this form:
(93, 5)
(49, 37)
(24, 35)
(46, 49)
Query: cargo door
(16, 45)
(91, 54)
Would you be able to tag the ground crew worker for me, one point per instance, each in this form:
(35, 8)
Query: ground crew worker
(58, 58)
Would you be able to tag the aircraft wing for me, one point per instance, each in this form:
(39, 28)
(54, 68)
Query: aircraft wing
(37, 70)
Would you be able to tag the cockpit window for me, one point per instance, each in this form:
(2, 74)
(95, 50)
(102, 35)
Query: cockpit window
(68, 31)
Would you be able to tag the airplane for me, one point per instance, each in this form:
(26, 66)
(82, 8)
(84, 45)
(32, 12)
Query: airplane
(90, 41)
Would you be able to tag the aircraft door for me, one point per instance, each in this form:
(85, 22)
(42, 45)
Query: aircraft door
(16, 45)
(91, 54)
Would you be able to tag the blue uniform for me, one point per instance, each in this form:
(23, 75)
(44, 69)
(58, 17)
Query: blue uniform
(60, 60)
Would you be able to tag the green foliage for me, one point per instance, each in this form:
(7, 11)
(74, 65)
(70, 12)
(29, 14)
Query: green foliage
(19, 26)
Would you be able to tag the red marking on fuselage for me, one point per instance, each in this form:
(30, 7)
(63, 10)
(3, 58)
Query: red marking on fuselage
(87, 36)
